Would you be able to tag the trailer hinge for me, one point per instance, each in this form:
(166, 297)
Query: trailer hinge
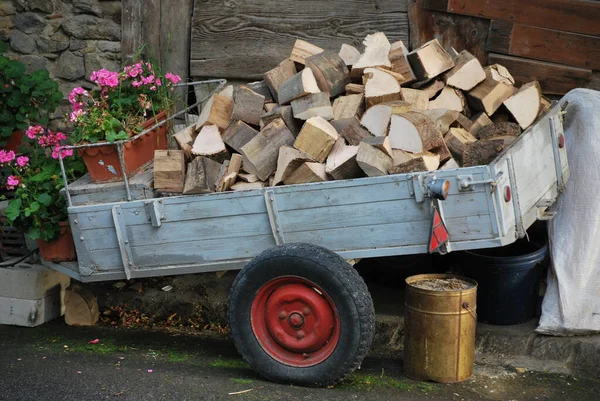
(274, 220)
(156, 212)
(466, 183)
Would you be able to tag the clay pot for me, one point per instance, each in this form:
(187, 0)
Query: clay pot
(103, 162)
(62, 249)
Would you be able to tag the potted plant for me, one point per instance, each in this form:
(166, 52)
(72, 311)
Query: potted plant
(24, 98)
(123, 105)
(38, 209)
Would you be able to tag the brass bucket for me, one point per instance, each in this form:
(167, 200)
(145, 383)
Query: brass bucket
(439, 331)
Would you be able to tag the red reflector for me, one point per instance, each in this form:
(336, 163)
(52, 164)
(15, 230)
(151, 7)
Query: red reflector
(507, 194)
(561, 141)
(439, 233)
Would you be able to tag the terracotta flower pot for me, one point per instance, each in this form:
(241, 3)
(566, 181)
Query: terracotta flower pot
(103, 162)
(14, 141)
(61, 249)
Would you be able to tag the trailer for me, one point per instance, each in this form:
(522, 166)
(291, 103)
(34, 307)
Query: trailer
(298, 312)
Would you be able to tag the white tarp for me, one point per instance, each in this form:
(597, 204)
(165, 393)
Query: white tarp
(572, 302)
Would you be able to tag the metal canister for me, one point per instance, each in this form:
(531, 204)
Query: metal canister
(439, 331)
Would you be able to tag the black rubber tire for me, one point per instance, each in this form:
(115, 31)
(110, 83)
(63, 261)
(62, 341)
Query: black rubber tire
(338, 279)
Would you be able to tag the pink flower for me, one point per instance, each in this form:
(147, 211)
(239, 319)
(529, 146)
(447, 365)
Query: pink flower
(64, 152)
(147, 80)
(136, 84)
(34, 131)
(153, 88)
(173, 78)
(22, 160)
(12, 182)
(105, 78)
(6, 157)
(75, 93)
(158, 82)
(75, 115)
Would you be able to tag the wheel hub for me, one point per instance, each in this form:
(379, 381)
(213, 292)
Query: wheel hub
(295, 322)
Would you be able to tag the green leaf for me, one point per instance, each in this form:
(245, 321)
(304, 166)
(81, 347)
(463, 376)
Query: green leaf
(14, 209)
(33, 233)
(34, 207)
(45, 199)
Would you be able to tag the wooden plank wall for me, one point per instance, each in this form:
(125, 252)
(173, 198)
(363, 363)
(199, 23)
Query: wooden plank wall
(554, 41)
(242, 39)
(162, 27)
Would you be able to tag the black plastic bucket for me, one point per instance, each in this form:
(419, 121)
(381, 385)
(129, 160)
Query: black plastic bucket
(508, 279)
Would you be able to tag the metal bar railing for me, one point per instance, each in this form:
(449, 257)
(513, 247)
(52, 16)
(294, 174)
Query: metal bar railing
(121, 143)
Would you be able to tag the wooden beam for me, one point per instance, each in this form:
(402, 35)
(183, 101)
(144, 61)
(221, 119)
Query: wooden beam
(555, 79)
(544, 44)
(255, 35)
(131, 31)
(169, 170)
(565, 15)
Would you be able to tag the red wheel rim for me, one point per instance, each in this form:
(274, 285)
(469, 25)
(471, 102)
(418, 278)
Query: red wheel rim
(295, 321)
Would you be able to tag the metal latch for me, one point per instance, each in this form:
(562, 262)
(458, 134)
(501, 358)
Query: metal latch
(467, 183)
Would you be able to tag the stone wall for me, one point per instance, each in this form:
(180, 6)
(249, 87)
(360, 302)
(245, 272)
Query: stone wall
(71, 38)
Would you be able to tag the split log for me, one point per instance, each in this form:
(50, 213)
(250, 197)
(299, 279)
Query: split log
(450, 165)
(169, 170)
(228, 179)
(373, 161)
(313, 105)
(348, 107)
(424, 162)
(449, 98)
(380, 142)
(81, 307)
(247, 177)
(238, 134)
(398, 77)
(303, 50)
(398, 57)
(202, 176)
(227, 92)
(351, 130)
(261, 88)
(380, 87)
(341, 163)
(415, 97)
(247, 186)
(307, 172)
(432, 88)
(546, 104)
(377, 50)
(316, 138)
(504, 128)
(442, 151)
(482, 152)
(457, 140)
(525, 104)
(349, 54)
(185, 140)
(400, 157)
(479, 121)
(208, 143)
(288, 161)
(499, 73)
(247, 105)
(414, 132)
(278, 75)
(377, 119)
(286, 114)
(489, 95)
(216, 111)
(301, 84)
(430, 60)
(352, 89)
(443, 118)
(464, 122)
(268, 107)
(261, 152)
(466, 73)
(330, 71)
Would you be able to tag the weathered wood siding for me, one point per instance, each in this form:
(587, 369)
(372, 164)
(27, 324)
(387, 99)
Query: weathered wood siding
(554, 41)
(244, 38)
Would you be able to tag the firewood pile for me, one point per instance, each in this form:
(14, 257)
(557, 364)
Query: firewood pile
(322, 115)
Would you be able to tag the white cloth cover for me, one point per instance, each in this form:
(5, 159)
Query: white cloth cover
(571, 305)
